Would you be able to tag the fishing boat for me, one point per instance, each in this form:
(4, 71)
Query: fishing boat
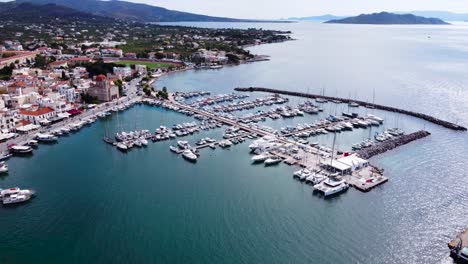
(330, 186)
(189, 155)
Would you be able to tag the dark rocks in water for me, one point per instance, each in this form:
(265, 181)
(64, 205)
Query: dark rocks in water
(391, 144)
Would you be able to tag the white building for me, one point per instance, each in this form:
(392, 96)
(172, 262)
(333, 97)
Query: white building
(37, 115)
(123, 71)
(69, 93)
(141, 69)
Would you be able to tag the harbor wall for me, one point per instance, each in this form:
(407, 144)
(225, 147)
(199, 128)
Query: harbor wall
(391, 144)
(428, 118)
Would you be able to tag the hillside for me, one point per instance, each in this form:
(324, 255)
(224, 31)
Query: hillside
(130, 11)
(27, 12)
(385, 18)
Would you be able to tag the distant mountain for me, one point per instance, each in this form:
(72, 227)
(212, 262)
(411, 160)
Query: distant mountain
(316, 18)
(27, 12)
(385, 18)
(130, 11)
(444, 15)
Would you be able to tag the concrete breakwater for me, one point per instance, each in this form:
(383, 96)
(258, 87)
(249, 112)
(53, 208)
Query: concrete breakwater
(391, 144)
(362, 103)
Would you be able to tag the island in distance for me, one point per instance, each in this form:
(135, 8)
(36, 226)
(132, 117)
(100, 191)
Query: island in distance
(385, 18)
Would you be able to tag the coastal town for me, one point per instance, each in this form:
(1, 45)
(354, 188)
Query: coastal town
(53, 89)
(49, 72)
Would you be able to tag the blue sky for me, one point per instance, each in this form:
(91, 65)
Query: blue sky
(269, 9)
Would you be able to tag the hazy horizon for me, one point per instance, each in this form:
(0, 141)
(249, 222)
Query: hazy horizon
(276, 9)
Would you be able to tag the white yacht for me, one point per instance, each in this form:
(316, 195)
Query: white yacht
(173, 149)
(261, 157)
(15, 195)
(122, 146)
(16, 149)
(272, 160)
(189, 155)
(46, 137)
(183, 144)
(144, 142)
(137, 143)
(329, 186)
(315, 179)
(302, 174)
(32, 143)
(3, 167)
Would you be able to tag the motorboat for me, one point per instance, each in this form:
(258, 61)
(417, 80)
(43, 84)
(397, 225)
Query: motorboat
(121, 146)
(15, 195)
(144, 141)
(183, 144)
(260, 158)
(32, 143)
(315, 178)
(138, 143)
(189, 155)
(20, 150)
(5, 156)
(272, 160)
(3, 167)
(46, 137)
(330, 186)
(300, 173)
(174, 149)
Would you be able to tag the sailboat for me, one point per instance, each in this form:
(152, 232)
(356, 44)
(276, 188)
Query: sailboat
(371, 106)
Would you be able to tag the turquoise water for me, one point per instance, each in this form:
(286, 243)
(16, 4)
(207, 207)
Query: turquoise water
(97, 205)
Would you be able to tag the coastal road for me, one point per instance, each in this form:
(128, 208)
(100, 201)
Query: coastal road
(130, 98)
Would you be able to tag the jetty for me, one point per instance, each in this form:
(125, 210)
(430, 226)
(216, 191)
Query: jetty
(391, 144)
(425, 117)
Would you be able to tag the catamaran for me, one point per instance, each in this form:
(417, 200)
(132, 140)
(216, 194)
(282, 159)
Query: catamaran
(330, 186)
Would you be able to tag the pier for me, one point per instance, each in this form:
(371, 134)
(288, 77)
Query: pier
(428, 118)
(391, 144)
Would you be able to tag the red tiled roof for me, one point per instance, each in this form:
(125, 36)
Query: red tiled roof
(38, 112)
(80, 59)
(54, 63)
